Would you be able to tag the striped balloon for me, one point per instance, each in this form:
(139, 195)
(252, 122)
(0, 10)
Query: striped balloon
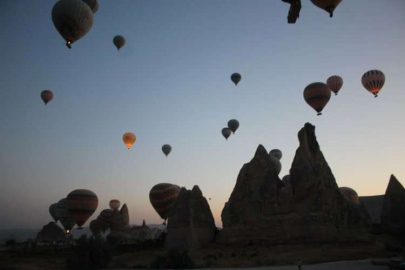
(317, 95)
(64, 217)
(162, 197)
(73, 19)
(373, 81)
(335, 83)
(115, 204)
(52, 211)
(81, 205)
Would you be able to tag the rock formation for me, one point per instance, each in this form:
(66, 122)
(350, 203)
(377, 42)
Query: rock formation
(51, 233)
(373, 207)
(393, 209)
(306, 206)
(144, 233)
(190, 223)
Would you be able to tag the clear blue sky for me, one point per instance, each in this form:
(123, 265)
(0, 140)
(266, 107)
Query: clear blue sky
(170, 84)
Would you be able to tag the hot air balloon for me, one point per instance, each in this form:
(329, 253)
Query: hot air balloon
(129, 139)
(93, 4)
(47, 96)
(233, 125)
(64, 217)
(327, 5)
(81, 205)
(317, 95)
(276, 153)
(335, 83)
(373, 81)
(115, 204)
(73, 19)
(119, 41)
(226, 132)
(236, 78)
(350, 194)
(166, 149)
(276, 163)
(162, 197)
(52, 211)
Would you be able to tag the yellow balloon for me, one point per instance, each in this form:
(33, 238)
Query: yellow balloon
(129, 139)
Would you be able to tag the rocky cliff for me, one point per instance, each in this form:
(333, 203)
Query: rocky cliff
(393, 209)
(306, 206)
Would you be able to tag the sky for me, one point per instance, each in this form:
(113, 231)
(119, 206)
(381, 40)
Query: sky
(171, 84)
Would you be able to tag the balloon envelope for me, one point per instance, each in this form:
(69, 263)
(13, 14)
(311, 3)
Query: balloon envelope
(73, 19)
(162, 197)
(276, 153)
(350, 194)
(335, 83)
(226, 132)
(317, 95)
(52, 211)
(129, 139)
(236, 78)
(64, 217)
(115, 204)
(233, 125)
(276, 163)
(93, 4)
(81, 205)
(166, 149)
(119, 41)
(327, 5)
(47, 96)
(373, 81)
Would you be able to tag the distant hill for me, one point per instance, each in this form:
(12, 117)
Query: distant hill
(21, 235)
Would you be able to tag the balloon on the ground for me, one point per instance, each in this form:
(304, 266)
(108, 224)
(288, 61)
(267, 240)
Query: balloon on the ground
(236, 78)
(327, 5)
(129, 139)
(226, 132)
(373, 81)
(52, 211)
(166, 149)
(115, 204)
(350, 194)
(276, 163)
(64, 217)
(46, 96)
(119, 41)
(335, 83)
(276, 153)
(73, 19)
(81, 205)
(233, 125)
(317, 95)
(162, 197)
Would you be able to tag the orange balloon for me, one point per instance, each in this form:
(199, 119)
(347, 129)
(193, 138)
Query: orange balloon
(129, 139)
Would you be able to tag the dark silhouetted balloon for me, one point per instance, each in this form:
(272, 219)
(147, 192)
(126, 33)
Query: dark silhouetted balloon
(317, 95)
(129, 139)
(81, 205)
(335, 83)
(276, 163)
(373, 81)
(327, 5)
(276, 153)
(226, 132)
(166, 149)
(73, 19)
(47, 96)
(119, 42)
(115, 204)
(52, 212)
(64, 217)
(236, 78)
(233, 125)
(162, 197)
(350, 194)
(93, 4)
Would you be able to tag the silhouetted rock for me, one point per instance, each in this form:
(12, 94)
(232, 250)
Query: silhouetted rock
(306, 206)
(51, 233)
(373, 205)
(144, 233)
(190, 223)
(393, 210)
